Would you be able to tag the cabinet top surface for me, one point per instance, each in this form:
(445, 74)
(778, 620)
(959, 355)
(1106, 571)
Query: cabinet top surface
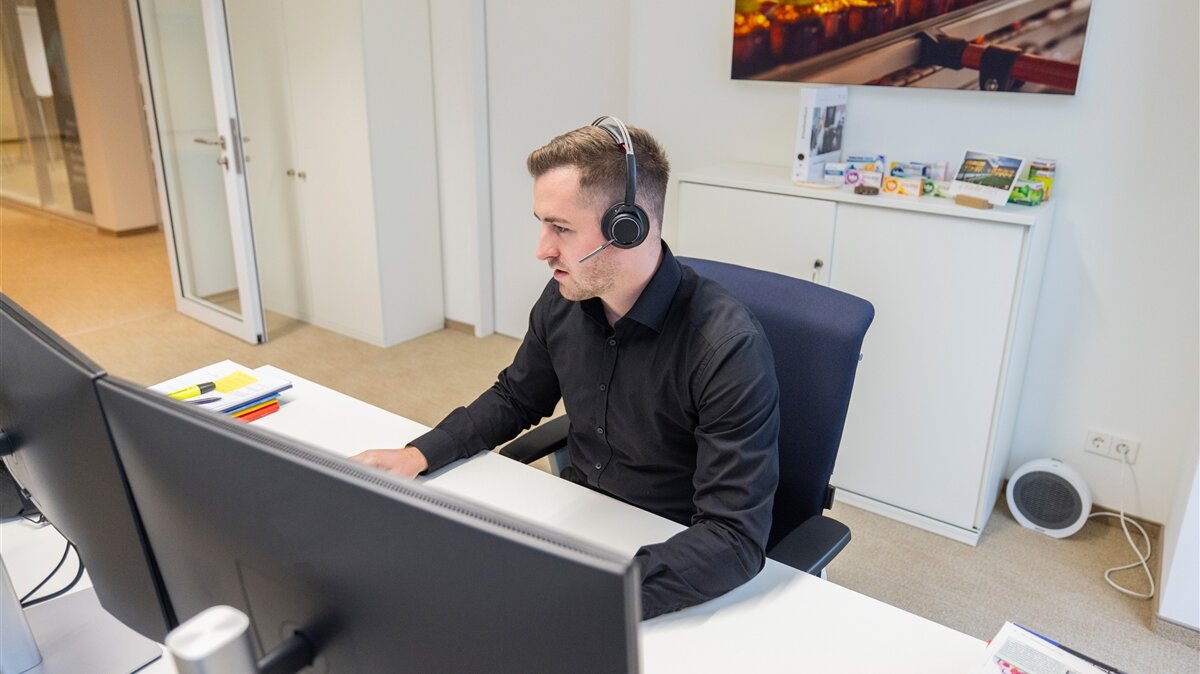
(777, 179)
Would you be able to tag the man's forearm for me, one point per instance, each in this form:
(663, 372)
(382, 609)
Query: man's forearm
(492, 419)
(701, 563)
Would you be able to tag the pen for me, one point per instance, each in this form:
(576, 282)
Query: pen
(201, 401)
(193, 390)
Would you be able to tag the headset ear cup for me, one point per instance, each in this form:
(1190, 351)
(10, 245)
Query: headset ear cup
(626, 226)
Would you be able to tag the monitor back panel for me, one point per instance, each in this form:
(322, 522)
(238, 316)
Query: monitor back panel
(383, 573)
(63, 455)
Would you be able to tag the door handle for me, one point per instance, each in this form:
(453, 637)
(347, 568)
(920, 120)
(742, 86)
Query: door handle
(220, 141)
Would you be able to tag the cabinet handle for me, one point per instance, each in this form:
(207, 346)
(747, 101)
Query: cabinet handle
(817, 265)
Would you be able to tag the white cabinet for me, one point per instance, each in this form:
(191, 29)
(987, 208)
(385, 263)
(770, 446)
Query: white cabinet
(336, 100)
(955, 292)
(757, 229)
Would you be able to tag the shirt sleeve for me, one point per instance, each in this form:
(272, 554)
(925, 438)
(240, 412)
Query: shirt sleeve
(737, 471)
(525, 392)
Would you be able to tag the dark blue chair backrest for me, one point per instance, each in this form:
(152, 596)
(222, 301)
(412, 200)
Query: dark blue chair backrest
(816, 334)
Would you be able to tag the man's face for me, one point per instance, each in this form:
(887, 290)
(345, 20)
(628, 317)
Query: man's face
(571, 230)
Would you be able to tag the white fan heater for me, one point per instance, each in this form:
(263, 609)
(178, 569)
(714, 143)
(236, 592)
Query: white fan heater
(1049, 496)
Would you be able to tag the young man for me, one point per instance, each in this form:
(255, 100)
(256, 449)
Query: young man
(668, 381)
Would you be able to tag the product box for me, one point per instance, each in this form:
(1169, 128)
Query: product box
(871, 179)
(941, 188)
(1027, 193)
(1042, 170)
(907, 169)
(902, 187)
(938, 171)
(867, 162)
(835, 173)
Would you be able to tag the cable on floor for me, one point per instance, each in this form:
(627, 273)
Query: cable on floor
(1141, 559)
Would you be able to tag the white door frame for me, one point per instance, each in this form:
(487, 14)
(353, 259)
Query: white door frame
(250, 325)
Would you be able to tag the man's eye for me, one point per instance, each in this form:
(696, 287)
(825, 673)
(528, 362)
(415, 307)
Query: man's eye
(560, 230)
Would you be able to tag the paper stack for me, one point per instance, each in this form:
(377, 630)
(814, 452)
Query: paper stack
(228, 388)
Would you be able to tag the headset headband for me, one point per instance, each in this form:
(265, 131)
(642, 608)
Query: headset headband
(616, 129)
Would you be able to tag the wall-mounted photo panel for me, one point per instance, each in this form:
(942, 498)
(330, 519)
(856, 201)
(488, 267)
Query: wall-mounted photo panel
(1032, 46)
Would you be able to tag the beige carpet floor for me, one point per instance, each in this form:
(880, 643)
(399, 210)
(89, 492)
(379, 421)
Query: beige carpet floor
(112, 298)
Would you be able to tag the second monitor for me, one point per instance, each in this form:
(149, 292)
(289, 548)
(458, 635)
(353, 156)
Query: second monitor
(380, 573)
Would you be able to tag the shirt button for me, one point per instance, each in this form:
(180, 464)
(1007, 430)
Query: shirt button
(599, 431)
(599, 466)
(612, 342)
(603, 387)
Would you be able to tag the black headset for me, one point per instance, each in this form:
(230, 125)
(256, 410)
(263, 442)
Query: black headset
(624, 224)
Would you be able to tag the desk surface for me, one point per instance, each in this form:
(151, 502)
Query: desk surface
(782, 620)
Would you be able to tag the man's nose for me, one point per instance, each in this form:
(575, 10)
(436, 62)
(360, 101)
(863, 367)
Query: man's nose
(546, 247)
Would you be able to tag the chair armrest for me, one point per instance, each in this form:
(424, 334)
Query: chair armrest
(541, 441)
(812, 545)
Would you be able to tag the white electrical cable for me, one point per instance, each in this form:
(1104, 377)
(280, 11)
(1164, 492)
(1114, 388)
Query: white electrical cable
(1142, 559)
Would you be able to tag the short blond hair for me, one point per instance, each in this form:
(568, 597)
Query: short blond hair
(601, 164)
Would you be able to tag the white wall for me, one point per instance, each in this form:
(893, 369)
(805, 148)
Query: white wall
(398, 69)
(552, 67)
(1115, 345)
(460, 98)
(454, 101)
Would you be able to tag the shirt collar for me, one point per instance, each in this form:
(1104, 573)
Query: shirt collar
(651, 306)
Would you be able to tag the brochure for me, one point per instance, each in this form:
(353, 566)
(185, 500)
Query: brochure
(1016, 650)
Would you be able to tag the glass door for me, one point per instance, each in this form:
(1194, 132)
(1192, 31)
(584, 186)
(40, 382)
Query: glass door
(192, 109)
(41, 157)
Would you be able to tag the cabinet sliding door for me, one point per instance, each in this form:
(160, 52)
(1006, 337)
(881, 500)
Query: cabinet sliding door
(943, 290)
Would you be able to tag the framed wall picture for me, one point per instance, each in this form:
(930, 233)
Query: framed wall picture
(1033, 46)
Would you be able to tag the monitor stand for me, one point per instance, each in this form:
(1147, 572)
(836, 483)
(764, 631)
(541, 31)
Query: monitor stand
(75, 634)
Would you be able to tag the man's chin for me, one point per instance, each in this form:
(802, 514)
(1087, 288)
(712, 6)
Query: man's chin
(567, 293)
(573, 293)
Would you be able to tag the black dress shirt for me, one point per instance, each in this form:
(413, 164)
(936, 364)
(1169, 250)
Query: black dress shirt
(675, 409)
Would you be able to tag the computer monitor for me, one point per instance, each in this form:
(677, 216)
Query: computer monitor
(57, 446)
(379, 572)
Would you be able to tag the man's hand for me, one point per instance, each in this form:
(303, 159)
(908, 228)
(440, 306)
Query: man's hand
(408, 462)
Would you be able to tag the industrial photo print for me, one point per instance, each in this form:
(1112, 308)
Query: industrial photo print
(1031, 46)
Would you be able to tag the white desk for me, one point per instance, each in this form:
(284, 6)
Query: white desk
(782, 620)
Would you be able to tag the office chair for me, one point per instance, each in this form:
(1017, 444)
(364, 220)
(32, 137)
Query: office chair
(816, 334)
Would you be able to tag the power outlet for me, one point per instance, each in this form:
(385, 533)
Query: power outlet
(1099, 443)
(1125, 449)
